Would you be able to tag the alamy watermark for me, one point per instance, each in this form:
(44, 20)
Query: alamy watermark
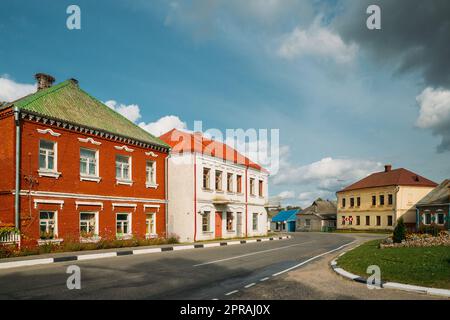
(74, 280)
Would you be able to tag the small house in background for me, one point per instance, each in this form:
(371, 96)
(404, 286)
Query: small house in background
(320, 216)
(433, 209)
(285, 220)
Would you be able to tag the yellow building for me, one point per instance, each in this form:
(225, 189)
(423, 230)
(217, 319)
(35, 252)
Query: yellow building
(377, 201)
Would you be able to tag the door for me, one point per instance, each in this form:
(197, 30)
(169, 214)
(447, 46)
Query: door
(218, 224)
(239, 224)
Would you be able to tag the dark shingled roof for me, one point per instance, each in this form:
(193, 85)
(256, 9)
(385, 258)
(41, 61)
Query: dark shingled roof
(439, 195)
(397, 177)
(325, 209)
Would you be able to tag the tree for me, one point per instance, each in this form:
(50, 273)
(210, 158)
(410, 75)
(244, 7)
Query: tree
(399, 231)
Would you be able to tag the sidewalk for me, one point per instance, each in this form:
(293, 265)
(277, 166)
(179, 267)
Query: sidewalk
(15, 262)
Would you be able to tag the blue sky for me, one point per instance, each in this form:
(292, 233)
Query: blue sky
(341, 110)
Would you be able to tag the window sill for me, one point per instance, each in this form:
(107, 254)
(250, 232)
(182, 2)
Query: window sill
(90, 178)
(151, 236)
(49, 174)
(207, 232)
(124, 236)
(90, 240)
(151, 185)
(207, 190)
(124, 182)
(219, 191)
(42, 242)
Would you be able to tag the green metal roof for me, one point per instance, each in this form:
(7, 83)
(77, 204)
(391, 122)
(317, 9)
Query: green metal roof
(68, 102)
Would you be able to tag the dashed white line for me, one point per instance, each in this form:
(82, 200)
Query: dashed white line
(311, 259)
(249, 285)
(264, 279)
(231, 292)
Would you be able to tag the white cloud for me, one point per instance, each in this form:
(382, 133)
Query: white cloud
(316, 41)
(132, 111)
(163, 125)
(434, 114)
(11, 90)
(286, 195)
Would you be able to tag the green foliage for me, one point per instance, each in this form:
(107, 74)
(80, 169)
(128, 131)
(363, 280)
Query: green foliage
(432, 230)
(399, 231)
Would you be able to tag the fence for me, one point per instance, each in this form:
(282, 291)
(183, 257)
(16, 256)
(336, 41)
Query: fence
(10, 238)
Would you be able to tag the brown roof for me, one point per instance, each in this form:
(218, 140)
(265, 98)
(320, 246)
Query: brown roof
(396, 177)
(324, 209)
(439, 195)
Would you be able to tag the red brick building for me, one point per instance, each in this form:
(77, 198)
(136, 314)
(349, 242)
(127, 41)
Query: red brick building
(84, 171)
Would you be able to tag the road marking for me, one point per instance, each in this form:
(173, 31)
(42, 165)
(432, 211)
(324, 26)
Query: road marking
(215, 299)
(97, 256)
(311, 259)
(231, 292)
(249, 285)
(264, 279)
(250, 254)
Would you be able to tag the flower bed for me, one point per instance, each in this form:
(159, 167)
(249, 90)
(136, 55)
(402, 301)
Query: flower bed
(417, 240)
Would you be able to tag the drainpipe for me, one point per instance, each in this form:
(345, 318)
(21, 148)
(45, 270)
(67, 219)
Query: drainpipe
(166, 191)
(397, 189)
(17, 188)
(246, 201)
(195, 196)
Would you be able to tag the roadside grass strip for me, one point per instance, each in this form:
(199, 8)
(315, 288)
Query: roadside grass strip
(119, 253)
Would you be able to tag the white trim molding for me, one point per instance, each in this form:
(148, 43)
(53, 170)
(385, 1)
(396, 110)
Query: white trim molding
(88, 203)
(49, 174)
(90, 178)
(152, 206)
(124, 147)
(49, 131)
(124, 205)
(124, 182)
(47, 201)
(151, 185)
(89, 140)
(151, 154)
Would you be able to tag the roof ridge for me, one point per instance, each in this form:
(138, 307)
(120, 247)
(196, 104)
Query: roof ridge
(41, 93)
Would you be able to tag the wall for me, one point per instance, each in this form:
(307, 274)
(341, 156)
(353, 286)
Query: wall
(7, 167)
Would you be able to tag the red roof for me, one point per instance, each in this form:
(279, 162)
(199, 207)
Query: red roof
(181, 141)
(397, 177)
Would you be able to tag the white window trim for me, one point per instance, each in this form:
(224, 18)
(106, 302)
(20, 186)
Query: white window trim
(49, 131)
(438, 212)
(152, 206)
(88, 177)
(47, 201)
(209, 221)
(122, 181)
(129, 234)
(53, 173)
(96, 232)
(151, 184)
(124, 205)
(56, 238)
(153, 233)
(88, 203)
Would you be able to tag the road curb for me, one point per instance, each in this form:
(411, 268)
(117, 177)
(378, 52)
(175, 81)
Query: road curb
(95, 256)
(389, 285)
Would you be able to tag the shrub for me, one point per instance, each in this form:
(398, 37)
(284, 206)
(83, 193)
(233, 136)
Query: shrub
(399, 231)
(431, 230)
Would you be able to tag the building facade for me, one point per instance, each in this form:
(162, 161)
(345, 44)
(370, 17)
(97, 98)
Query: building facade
(84, 172)
(319, 216)
(379, 200)
(214, 192)
(434, 209)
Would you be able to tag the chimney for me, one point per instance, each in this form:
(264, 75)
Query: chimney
(44, 81)
(387, 168)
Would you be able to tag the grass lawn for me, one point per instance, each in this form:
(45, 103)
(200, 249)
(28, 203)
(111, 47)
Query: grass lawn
(429, 267)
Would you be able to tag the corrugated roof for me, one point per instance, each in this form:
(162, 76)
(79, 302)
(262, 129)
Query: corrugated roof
(439, 195)
(397, 177)
(181, 141)
(66, 101)
(286, 215)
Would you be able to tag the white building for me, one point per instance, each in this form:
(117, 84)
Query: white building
(213, 191)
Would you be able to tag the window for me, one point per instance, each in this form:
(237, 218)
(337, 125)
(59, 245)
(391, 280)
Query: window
(440, 218)
(123, 168)
(47, 155)
(260, 188)
(239, 184)
(150, 173)
(47, 225)
(229, 221)
(350, 220)
(382, 200)
(307, 223)
(352, 202)
(150, 224)
(88, 224)
(206, 178)
(252, 186)
(427, 218)
(367, 220)
(88, 162)
(255, 221)
(123, 224)
(218, 180)
(343, 202)
(390, 221)
(343, 220)
(378, 221)
(358, 220)
(229, 182)
(390, 199)
(374, 200)
(206, 221)
(358, 201)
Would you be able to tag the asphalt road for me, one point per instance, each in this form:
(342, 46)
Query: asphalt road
(210, 273)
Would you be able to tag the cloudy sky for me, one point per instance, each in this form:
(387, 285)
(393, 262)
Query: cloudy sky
(346, 99)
